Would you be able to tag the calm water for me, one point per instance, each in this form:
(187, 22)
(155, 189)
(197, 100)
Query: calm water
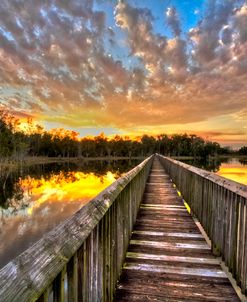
(231, 168)
(40, 197)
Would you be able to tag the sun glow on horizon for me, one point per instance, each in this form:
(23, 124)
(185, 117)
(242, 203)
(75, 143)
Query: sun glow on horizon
(224, 136)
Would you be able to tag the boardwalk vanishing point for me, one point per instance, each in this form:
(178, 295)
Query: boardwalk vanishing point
(136, 241)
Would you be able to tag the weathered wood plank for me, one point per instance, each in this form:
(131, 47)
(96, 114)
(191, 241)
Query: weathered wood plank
(170, 245)
(168, 258)
(170, 234)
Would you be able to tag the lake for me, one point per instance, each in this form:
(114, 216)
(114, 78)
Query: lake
(231, 168)
(39, 197)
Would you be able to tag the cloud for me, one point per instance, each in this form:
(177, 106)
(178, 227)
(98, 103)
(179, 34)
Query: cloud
(143, 43)
(240, 23)
(226, 35)
(57, 49)
(206, 35)
(160, 56)
(196, 11)
(173, 20)
(63, 62)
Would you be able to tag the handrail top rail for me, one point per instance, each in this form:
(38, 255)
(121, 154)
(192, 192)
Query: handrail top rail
(33, 270)
(238, 188)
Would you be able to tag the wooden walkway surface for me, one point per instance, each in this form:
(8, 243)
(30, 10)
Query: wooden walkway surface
(168, 258)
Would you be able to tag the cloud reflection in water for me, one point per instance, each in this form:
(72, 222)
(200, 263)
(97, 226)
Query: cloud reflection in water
(45, 202)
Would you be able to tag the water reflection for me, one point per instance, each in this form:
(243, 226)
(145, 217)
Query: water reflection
(234, 169)
(231, 168)
(40, 197)
(61, 188)
(209, 165)
(243, 161)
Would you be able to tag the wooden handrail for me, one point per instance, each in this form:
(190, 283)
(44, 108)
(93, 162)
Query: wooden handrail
(81, 259)
(221, 207)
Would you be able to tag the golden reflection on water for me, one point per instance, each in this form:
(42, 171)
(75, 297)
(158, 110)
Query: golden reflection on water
(45, 203)
(72, 187)
(234, 171)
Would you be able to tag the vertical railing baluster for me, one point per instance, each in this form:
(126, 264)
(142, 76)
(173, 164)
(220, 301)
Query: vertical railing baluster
(110, 253)
(90, 266)
(58, 287)
(244, 265)
(72, 277)
(45, 296)
(96, 262)
(80, 265)
(241, 236)
(114, 228)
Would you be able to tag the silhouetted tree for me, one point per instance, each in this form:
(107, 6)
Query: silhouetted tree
(243, 150)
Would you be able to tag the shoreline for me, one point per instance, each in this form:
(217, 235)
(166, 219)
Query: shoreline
(36, 160)
(10, 164)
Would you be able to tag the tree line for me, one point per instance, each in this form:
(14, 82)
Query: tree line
(35, 141)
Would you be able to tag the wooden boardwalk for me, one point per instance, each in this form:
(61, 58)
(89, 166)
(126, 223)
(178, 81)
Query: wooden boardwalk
(168, 259)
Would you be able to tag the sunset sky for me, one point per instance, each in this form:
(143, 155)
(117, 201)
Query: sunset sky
(127, 67)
